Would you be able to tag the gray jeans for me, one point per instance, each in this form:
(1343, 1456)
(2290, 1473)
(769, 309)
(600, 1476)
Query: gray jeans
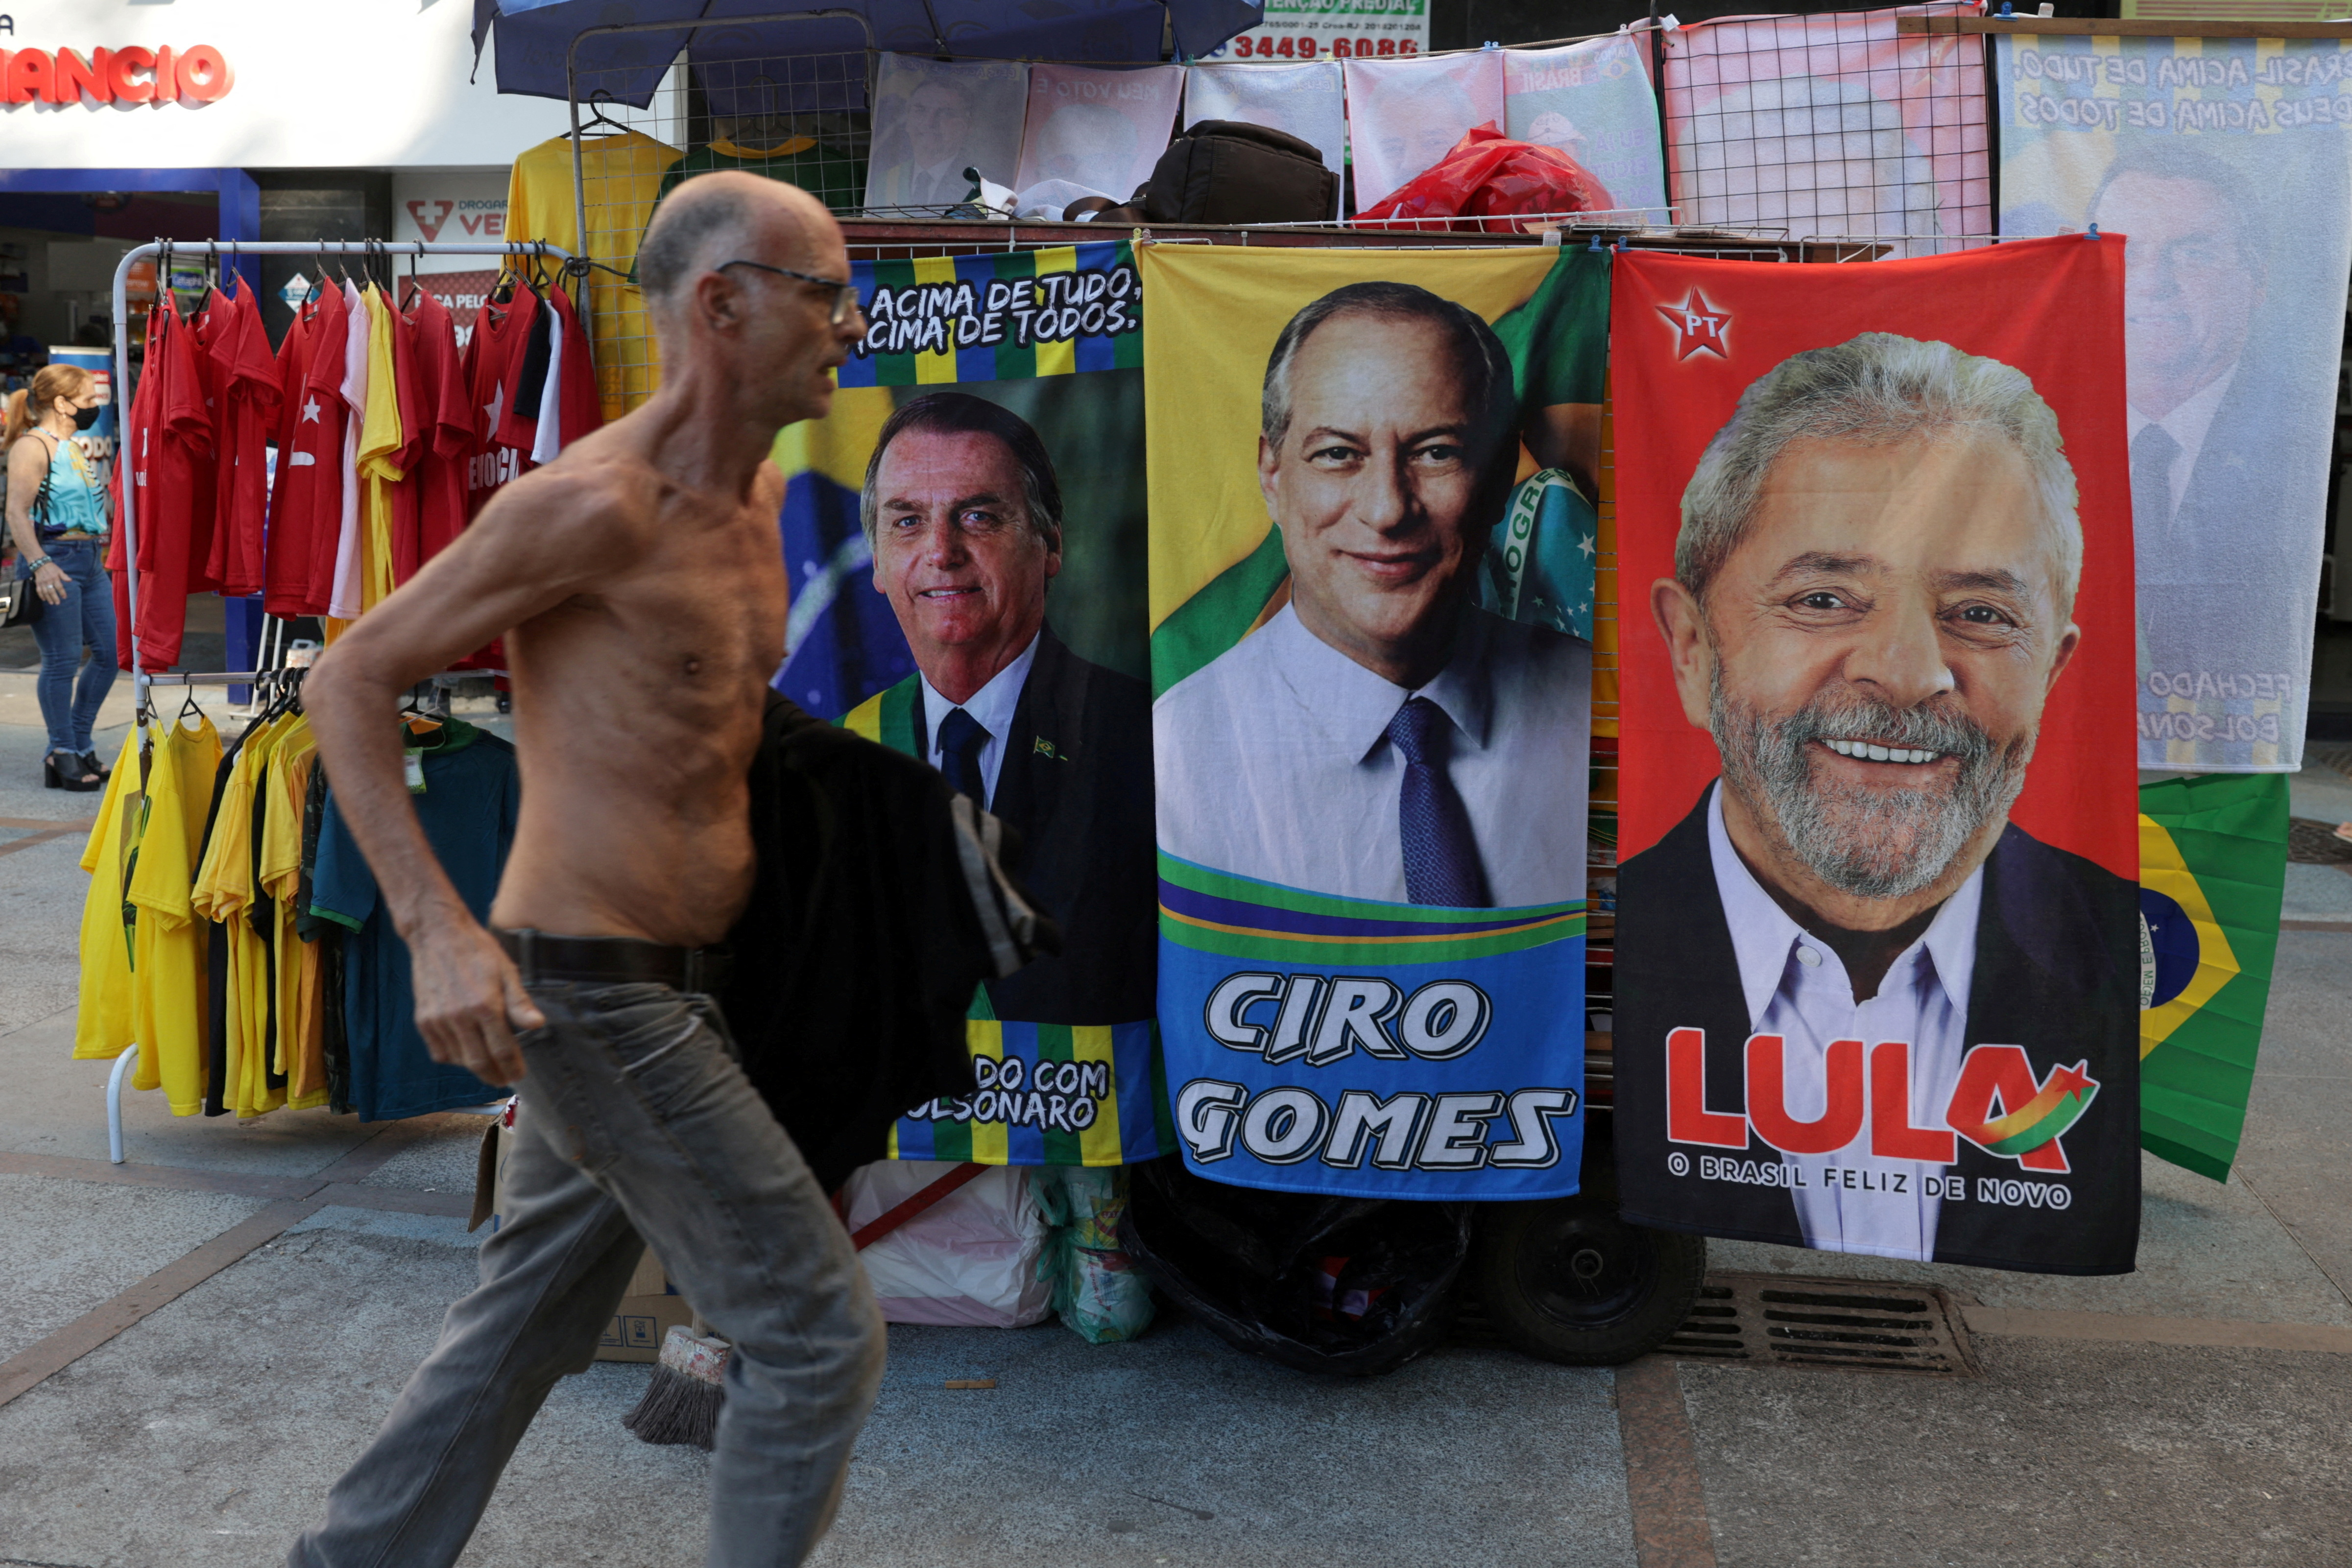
(637, 1122)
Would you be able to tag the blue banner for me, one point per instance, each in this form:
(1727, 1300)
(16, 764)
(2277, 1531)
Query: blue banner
(1367, 1050)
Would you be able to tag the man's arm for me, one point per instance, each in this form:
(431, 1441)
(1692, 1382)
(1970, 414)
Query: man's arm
(538, 544)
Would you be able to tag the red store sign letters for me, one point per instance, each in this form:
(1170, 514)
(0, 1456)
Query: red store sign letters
(131, 75)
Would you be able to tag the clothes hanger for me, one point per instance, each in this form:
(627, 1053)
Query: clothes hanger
(419, 723)
(188, 705)
(502, 287)
(597, 101)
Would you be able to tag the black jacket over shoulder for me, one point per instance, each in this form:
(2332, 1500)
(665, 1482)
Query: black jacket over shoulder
(856, 957)
(2056, 972)
(1075, 787)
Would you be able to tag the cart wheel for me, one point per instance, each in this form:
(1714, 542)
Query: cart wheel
(1566, 1279)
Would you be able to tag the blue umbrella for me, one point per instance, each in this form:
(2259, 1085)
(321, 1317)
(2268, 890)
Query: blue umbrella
(751, 63)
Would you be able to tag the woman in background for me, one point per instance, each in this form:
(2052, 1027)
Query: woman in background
(58, 518)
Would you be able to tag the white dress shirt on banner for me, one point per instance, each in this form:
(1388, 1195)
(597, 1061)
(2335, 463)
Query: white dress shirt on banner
(992, 705)
(1797, 987)
(2187, 426)
(1274, 762)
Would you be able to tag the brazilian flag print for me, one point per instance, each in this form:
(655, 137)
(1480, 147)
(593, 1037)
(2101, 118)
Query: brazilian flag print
(2212, 860)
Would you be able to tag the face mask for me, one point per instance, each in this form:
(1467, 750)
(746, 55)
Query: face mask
(85, 417)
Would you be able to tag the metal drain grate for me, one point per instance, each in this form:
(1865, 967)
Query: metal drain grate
(1785, 1319)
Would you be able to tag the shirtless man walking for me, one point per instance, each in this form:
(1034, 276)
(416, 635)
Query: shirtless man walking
(639, 586)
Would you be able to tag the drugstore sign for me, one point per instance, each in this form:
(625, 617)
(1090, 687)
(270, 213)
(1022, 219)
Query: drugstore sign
(129, 75)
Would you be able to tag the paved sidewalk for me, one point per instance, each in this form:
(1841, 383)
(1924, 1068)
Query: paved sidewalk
(193, 1344)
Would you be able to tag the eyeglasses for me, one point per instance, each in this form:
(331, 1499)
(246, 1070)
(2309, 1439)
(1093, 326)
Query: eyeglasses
(845, 295)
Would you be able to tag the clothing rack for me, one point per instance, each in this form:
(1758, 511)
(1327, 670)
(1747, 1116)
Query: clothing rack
(366, 248)
(141, 679)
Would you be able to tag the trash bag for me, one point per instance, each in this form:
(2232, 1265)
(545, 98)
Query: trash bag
(970, 1259)
(1355, 1286)
(1098, 1294)
(1487, 175)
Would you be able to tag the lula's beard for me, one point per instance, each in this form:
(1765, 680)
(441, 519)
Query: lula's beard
(1871, 843)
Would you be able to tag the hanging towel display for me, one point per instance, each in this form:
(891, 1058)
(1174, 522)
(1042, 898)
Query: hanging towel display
(2212, 875)
(964, 534)
(1371, 784)
(935, 119)
(1877, 933)
(1306, 101)
(1592, 101)
(1102, 129)
(1834, 124)
(2221, 161)
(1404, 114)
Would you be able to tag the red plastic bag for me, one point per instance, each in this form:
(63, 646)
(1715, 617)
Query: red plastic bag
(1488, 174)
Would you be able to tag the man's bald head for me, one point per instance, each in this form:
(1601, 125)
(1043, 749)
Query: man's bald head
(717, 217)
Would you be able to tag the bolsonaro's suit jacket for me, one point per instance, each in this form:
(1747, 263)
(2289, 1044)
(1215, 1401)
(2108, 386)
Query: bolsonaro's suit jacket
(1076, 785)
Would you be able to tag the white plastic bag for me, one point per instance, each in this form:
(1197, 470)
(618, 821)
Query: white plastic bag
(970, 1258)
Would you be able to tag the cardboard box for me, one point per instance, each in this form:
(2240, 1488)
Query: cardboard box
(652, 1307)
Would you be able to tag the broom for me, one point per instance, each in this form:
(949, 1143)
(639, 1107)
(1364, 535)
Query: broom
(681, 1403)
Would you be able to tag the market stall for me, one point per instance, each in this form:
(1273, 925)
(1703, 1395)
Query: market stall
(1361, 1036)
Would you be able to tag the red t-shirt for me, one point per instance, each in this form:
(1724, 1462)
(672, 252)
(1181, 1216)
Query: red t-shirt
(493, 365)
(134, 473)
(172, 484)
(204, 328)
(244, 380)
(439, 477)
(418, 411)
(515, 422)
(293, 366)
(580, 409)
(309, 462)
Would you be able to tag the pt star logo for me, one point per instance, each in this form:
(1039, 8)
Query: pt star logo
(1698, 326)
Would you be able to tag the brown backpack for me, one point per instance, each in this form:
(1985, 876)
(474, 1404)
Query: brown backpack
(1227, 172)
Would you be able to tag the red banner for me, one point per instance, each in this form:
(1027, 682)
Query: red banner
(1878, 943)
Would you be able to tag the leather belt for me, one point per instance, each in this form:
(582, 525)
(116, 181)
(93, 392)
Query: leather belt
(615, 960)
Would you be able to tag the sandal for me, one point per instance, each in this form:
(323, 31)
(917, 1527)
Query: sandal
(75, 774)
(91, 764)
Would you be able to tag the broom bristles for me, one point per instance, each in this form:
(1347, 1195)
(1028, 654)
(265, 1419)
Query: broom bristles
(682, 1401)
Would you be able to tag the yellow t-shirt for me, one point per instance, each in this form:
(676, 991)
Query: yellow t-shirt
(380, 438)
(168, 991)
(620, 179)
(224, 892)
(301, 1039)
(102, 1024)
